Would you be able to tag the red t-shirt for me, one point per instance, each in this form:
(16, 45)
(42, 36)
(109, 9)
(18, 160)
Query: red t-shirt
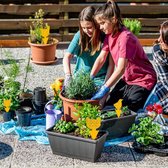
(139, 70)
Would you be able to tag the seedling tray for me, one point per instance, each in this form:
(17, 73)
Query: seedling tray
(159, 150)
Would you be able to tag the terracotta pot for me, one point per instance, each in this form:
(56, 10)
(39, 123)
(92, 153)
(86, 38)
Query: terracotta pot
(43, 53)
(68, 106)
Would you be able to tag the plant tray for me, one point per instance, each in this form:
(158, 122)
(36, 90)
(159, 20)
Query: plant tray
(118, 127)
(157, 150)
(76, 147)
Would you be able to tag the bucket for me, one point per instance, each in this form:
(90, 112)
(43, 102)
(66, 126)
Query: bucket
(24, 116)
(52, 114)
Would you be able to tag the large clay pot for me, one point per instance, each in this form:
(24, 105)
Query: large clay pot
(68, 106)
(43, 53)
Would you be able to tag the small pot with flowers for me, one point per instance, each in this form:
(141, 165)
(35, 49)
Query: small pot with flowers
(53, 108)
(42, 46)
(148, 133)
(80, 139)
(10, 88)
(9, 98)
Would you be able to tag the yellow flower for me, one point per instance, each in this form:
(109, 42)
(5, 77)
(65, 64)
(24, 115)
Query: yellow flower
(57, 85)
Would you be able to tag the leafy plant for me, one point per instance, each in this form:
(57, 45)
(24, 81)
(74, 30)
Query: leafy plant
(64, 127)
(40, 31)
(84, 111)
(81, 87)
(113, 114)
(133, 25)
(57, 87)
(10, 87)
(147, 132)
(28, 69)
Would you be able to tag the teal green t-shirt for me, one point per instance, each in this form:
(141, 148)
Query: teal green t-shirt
(85, 61)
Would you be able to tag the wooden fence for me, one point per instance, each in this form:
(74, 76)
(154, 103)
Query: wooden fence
(62, 16)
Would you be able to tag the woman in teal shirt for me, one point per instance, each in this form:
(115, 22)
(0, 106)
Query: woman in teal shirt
(86, 45)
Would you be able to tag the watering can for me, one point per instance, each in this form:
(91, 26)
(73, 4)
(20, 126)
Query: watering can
(52, 114)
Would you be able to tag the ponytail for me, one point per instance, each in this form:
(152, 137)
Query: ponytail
(108, 11)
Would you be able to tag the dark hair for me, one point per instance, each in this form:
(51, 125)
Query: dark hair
(164, 32)
(108, 11)
(87, 14)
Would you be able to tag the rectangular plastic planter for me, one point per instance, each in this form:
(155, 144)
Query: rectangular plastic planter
(76, 147)
(118, 127)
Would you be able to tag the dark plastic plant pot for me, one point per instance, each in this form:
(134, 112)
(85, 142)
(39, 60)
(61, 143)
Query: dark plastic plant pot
(118, 127)
(24, 116)
(7, 116)
(76, 147)
(39, 107)
(39, 94)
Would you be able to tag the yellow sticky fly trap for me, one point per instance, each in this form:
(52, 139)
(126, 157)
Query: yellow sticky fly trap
(118, 107)
(45, 33)
(45, 40)
(93, 124)
(7, 104)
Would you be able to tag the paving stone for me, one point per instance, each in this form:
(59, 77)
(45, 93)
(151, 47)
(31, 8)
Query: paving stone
(29, 154)
(7, 149)
(149, 160)
(113, 156)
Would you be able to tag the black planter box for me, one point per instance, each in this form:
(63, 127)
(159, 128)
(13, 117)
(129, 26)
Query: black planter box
(118, 127)
(76, 147)
(160, 150)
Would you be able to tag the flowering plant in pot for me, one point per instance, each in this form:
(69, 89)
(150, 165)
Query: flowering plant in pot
(42, 45)
(81, 138)
(10, 88)
(148, 132)
(80, 89)
(53, 108)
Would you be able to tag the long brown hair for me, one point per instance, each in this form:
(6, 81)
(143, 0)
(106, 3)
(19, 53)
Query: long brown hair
(108, 11)
(86, 43)
(164, 32)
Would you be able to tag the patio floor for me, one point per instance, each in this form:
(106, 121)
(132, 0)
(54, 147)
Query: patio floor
(30, 154)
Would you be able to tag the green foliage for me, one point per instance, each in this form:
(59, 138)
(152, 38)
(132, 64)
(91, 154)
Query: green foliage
(113, 114)
(146, 132)
(28, 69)
(64, 127)
(84, 111)
(133, 25)
(37, 25)
(81, 87)
(9, 87)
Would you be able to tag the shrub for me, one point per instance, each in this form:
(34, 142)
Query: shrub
(81, 87)
(133, 25)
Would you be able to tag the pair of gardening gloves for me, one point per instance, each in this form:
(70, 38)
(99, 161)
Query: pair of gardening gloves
(98, 95)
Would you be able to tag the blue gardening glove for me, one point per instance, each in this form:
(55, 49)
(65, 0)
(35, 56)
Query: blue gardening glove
(68, 78)
(101, 92)
(92, 77)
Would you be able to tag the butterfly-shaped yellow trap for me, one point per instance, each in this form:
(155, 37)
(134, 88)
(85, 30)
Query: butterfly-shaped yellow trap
(118, 107)
(93, 124)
